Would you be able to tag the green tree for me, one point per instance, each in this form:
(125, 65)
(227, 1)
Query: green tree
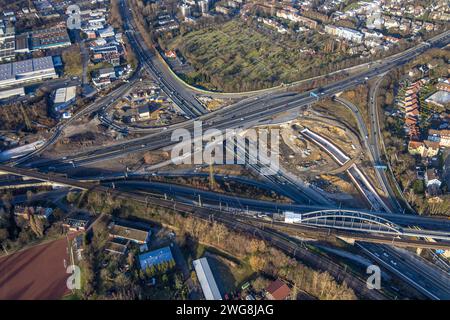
(418, 187)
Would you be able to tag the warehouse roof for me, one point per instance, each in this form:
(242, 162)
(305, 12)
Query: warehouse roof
(14, 69)
(206, 279)
(63, 95)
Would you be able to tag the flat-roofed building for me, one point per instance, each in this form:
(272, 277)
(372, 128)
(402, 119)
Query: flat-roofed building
(12, 93)
(116, 247)
(129, 232)
(63, 97)
(106, 32)
(7, 31)
(79, 222)
(144, 112)
(7, 50)
(206, 279)
(50, 38)
(7, 43)
(107, 73)
(30, 70)
(22, 44)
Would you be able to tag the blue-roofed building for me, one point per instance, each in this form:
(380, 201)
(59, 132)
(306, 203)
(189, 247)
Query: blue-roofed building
(156, 257)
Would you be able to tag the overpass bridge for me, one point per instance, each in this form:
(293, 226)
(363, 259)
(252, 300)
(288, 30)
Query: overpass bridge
(362, 222)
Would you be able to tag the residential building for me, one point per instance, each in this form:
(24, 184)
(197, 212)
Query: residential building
(101, 82)
(278, 290)
(116, 247)
(127, 232)
(25, 212)
(77, 223)
(274, 24)
(432, 179)
(423, 148)
(440, 136)
(107, 73)
(345, 33)
(443, 86)
(206, 279)
(295, 17)
(222, 9)
(103, 49)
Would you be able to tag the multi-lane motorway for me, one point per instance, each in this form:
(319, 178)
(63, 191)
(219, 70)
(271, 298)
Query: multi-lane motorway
(183, 98)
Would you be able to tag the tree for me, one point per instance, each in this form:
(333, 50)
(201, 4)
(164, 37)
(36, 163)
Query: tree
(418, 187)
(194, 277)
(178, 281)
(71, 196)
(219, 230)
(130, 259)
(257, 263)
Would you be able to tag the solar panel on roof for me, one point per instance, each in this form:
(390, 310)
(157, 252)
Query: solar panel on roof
(19, 68)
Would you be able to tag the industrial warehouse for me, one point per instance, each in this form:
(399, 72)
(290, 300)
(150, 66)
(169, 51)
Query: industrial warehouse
(206, 279)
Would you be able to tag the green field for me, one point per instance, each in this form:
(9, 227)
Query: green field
(238, 57)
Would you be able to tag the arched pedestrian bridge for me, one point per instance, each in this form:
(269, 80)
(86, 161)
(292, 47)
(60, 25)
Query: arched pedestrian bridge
(349, 220)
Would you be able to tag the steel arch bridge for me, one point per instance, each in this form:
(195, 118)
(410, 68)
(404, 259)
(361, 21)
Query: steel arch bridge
(349, 220)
